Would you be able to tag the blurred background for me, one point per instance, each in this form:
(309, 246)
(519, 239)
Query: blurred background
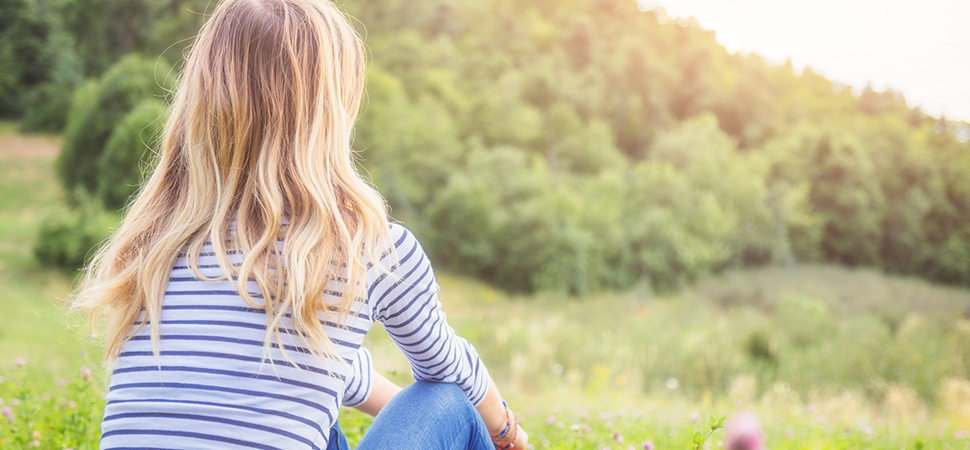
(638, 223)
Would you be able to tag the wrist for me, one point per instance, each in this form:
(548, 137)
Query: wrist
(505, 438)
(494, 416)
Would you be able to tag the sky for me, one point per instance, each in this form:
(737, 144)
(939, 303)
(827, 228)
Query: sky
(920, 48)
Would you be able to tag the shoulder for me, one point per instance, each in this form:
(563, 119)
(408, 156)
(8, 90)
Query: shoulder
(401, 237)
(404, 251)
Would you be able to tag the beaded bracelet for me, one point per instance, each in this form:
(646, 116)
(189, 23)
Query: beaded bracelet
(512, 425)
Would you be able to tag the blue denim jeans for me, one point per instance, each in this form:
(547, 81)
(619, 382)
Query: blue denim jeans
(432, 416)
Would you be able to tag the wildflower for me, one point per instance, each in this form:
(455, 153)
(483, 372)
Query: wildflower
(586, 428)
(744, 433)
(574, 427)
(15, 402)
(694, 416)
(810, 407)
(550, 420)
(72, 405)
(20, 362)
(648, 445)
(608, 425)
(36, 434)
(618, 437)
(61, 382)
(6, 411)
(86, 373)
(33, 444)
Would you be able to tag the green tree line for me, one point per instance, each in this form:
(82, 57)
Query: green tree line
(570, 145)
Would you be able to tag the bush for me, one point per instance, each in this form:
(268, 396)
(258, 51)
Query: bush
(67, 241)
(47, 108)
(123, 159)
(39, 63)
(97, 109)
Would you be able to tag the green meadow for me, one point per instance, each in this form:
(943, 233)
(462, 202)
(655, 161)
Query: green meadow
(826, 357)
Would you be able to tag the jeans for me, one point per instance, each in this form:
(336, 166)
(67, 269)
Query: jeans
(432, 416)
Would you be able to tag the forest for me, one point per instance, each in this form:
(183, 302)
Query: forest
(571, 146)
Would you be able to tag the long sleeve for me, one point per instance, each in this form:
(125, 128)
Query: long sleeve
(359, 383)
(405, 301)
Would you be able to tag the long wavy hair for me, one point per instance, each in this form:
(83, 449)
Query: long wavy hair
(255, 152)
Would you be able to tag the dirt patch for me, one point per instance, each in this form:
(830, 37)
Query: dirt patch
(19, 146)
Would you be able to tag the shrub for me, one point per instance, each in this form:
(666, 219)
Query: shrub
(47, 108)
(97, 109)
(123, 159)
(67, 241)
(40, 64)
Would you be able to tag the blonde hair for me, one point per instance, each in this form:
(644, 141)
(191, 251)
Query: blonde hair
(256, 151)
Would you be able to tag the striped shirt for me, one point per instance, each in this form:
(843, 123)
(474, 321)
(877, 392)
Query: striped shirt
(212, 387)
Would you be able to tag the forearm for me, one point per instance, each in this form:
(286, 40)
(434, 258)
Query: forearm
(492, 410)
(381, 392)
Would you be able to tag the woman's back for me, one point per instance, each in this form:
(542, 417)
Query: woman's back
(212, 387)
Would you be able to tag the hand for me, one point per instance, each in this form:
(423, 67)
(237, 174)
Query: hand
(521, 439)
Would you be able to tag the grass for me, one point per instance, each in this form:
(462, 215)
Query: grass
(827, 357)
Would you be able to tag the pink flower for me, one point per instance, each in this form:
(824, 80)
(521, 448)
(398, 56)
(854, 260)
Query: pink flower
(648, 445)
(744, 433)
(20, 362)
(15, 401)
(550, 420)
(62, 382)
(86, 373)
(6, 411)
(618, 437)
(694, 416)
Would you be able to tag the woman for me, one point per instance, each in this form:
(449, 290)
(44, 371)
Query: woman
(240, 285)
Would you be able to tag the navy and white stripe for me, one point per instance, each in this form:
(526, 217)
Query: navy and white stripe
(215, 384)
(360, 383)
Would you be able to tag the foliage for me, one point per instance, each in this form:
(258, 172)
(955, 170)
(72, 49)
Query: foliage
(41, 66)
(41, 411)
(99, 110)
(68, 240)
(569, 146)
(123, 161)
